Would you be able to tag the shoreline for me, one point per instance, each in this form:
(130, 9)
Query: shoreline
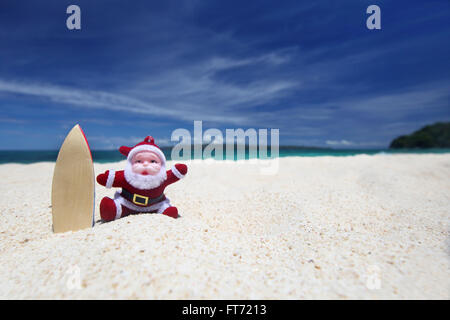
(241, 161)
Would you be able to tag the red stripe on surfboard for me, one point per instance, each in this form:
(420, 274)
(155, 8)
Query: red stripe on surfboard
(86, 142)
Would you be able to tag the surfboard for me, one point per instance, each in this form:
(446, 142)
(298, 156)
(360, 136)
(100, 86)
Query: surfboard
(73, 186)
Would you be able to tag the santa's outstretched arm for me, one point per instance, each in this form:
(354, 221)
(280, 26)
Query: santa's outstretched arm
(111, 178)
(177, 172)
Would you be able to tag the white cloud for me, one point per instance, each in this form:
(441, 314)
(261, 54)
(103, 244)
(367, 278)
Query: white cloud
(86, 98)
(347, 143)
(339, 143)
(11, 120)
(219, 63)
(114, 142)
(192, 93)
(411, 100)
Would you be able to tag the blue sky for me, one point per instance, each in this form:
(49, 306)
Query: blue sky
(308, 68)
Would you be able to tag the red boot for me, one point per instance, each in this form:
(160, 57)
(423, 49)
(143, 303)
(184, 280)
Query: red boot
(171, 212)
(107, 209)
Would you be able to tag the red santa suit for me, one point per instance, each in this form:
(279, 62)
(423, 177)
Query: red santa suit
(139, 193)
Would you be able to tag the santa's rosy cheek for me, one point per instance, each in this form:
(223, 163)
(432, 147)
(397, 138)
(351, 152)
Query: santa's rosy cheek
(136, 168)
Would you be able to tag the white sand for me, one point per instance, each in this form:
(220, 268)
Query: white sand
(358, 227)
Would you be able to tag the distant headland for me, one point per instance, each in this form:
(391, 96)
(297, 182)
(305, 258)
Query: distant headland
(432, 136)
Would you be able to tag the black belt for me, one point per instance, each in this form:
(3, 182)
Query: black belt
(140, 199)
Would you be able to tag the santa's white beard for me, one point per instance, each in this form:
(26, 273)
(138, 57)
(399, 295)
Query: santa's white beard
(144, 182)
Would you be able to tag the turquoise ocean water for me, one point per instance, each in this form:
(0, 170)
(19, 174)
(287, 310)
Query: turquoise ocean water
(104, 156)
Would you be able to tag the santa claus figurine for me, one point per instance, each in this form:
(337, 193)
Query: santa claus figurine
(143, 182)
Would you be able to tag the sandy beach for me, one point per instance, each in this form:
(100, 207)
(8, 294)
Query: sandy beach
(360, 227)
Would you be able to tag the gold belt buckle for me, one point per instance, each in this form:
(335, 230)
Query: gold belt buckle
(141, 200)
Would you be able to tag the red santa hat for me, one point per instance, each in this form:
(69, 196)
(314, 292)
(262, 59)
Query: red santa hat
(147, 145)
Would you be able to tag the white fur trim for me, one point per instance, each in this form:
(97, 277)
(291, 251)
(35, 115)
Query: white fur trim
(118, 209)
(146, 147)
(111, 177)
(177, 173)
(163, 205)
(144, 182)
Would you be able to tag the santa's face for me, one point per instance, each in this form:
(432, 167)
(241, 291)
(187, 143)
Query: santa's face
(146, 163)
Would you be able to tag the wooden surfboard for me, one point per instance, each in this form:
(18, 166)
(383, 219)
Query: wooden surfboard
(73, 187)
